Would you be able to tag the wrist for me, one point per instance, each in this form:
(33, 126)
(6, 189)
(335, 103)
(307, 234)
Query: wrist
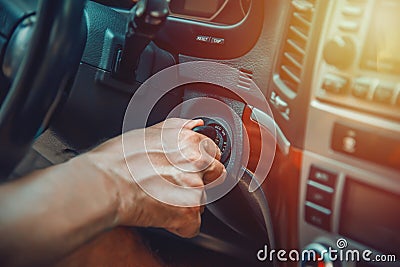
(101, 187)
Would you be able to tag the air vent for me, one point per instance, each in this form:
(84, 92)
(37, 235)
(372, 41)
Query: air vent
(293, 54)
(245, 79)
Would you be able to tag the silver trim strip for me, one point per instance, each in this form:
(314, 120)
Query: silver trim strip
(318, 208)
(320, 186)
(269, 123)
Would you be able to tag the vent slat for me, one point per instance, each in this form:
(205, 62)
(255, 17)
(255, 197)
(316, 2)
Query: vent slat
(303, 20)
(291, 74)
(302, 5)
(298, 33)
(294, 45)
(293, 60)
(293, 54)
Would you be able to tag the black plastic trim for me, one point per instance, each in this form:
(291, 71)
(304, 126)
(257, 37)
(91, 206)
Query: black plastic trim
(13, 12)
(180, 35)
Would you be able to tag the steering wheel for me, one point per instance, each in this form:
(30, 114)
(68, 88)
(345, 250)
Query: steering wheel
(49, 61)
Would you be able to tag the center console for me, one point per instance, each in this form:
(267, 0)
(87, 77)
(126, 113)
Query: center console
(350, 179)
(359, 52)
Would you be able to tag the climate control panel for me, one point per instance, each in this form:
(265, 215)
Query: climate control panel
(358, 63)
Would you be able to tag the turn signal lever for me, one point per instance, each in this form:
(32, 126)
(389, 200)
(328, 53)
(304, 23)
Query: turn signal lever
(145, 20)
(216, 132)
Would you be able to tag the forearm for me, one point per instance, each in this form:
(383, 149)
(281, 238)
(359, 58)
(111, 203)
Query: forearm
(51, 212)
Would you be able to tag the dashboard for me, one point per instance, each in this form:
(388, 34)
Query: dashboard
(330, 73)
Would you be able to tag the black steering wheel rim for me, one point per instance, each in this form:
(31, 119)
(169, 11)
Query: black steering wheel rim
(47, 70)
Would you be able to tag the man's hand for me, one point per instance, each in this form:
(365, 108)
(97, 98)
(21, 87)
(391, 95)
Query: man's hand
(170, 151)
(51, 212)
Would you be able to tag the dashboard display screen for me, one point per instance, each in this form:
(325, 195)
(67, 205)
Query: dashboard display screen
(196, 8)
(381, 52)
(204, 6)
(371, 217)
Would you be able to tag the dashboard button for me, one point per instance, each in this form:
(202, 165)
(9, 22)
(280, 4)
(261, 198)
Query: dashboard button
(323, 176)
(353, 11)
(366, 144)
(335, 84)
(319, 194)
(384, 94)
(361, 88)
(318, 216)
(349, 26)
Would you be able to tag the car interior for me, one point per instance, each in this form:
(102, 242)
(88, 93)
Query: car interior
(321, 78)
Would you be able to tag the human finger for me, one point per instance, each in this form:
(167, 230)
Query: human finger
(216, 171)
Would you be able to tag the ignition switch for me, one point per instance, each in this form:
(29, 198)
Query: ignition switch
(216, 132)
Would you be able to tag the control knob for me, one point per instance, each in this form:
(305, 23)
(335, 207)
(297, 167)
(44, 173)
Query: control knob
(340, 52)
(216, 132)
